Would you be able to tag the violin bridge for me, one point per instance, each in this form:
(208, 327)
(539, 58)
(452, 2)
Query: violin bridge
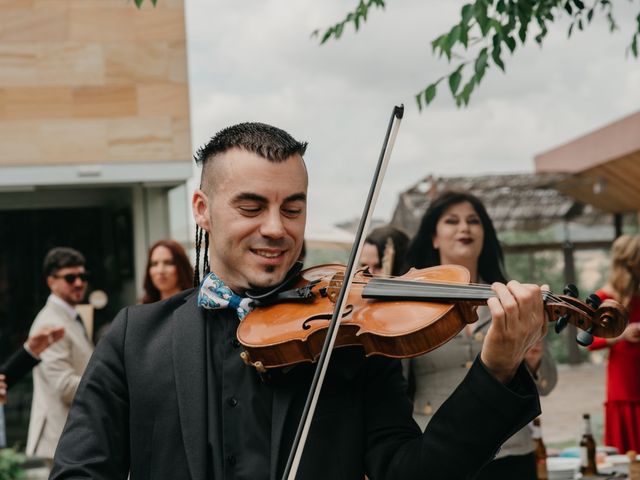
(259, 366)
(335, 284)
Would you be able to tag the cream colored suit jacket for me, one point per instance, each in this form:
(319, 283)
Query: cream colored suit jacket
(55, 379)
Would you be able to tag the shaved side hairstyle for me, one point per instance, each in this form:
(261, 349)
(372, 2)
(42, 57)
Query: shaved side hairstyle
(271, 143)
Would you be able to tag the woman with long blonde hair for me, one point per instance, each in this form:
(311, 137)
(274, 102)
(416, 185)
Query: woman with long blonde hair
(622, 407)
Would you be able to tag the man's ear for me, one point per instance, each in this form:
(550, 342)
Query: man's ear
(200, 206)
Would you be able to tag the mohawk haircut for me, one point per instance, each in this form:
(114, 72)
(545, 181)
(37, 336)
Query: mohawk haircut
(268, 142)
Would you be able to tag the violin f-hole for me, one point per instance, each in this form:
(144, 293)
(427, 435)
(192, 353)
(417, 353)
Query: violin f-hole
(306, 325)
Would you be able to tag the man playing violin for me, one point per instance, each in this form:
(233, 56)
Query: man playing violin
(166, 395)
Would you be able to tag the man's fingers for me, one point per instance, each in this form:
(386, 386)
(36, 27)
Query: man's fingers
(529, 298)
(508, 303)
(497, 313)
(524, 294)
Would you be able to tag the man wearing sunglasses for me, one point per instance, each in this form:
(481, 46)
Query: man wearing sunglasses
(56, 378)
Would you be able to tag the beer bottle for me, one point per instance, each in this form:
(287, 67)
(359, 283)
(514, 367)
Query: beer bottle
(539, 450)
(587, 448)
(634, 465)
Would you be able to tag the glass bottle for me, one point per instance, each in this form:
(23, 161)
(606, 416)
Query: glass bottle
(539, 450)
(587, 448)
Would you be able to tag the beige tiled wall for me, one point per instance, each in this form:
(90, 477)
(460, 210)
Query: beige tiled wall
(92, 81)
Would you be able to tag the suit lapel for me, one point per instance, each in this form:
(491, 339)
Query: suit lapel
(189, 357)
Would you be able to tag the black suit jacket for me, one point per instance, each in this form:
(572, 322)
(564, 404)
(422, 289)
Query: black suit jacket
(141, 406)
(17, 366)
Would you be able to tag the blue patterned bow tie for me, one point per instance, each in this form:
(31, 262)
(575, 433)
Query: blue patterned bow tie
(215, 295)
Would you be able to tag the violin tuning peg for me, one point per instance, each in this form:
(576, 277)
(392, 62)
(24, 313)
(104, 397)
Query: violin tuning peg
(584, 337)
(561, 323)
(571, 290)
(593, 301)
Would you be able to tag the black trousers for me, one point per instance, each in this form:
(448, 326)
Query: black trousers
(513, 467)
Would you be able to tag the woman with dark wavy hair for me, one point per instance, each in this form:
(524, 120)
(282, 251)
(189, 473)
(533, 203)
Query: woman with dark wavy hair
(169, 271)
(457, 230)
(485, 261)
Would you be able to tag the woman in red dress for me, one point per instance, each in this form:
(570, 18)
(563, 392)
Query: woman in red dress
(622, 407)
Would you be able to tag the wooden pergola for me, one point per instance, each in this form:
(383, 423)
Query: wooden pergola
(523, 201)
(602, 168)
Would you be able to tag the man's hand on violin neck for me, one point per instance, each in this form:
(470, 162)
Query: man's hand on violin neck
(518, 322)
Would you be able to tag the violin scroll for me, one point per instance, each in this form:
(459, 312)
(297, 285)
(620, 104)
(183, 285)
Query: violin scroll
(607, 320)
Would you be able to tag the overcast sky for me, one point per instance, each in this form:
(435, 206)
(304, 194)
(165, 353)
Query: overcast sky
(254, 60)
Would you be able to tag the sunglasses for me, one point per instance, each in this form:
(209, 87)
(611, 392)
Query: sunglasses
(71, 277)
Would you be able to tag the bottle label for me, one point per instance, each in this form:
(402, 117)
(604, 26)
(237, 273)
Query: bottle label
(541, 469)
(584, 457)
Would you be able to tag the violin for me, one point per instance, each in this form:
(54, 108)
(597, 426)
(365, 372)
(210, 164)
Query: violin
(397, 317)
(337, 305)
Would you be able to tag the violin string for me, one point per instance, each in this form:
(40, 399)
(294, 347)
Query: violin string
(444, 282)
(460, 290)
(480, 287)
(470, 285)
(426, 287)
(466, 286)
(394, 280)
(421, 286)
(435, 289)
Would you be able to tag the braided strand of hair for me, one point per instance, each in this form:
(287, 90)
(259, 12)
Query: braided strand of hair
(206, 268)
(196, 271)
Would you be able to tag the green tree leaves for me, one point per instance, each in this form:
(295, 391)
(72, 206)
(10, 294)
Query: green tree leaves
(140, 2)
(356, 17)
(495, 25)
(481, 63)
(486, 27)
(490, 28)
(454, 80)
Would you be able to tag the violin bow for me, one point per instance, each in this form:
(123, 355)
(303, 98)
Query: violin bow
(302, 432)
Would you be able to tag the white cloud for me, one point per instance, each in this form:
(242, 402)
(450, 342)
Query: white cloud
(256, 61)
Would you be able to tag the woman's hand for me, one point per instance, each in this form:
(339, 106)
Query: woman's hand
(518, 322)
(631, 333)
